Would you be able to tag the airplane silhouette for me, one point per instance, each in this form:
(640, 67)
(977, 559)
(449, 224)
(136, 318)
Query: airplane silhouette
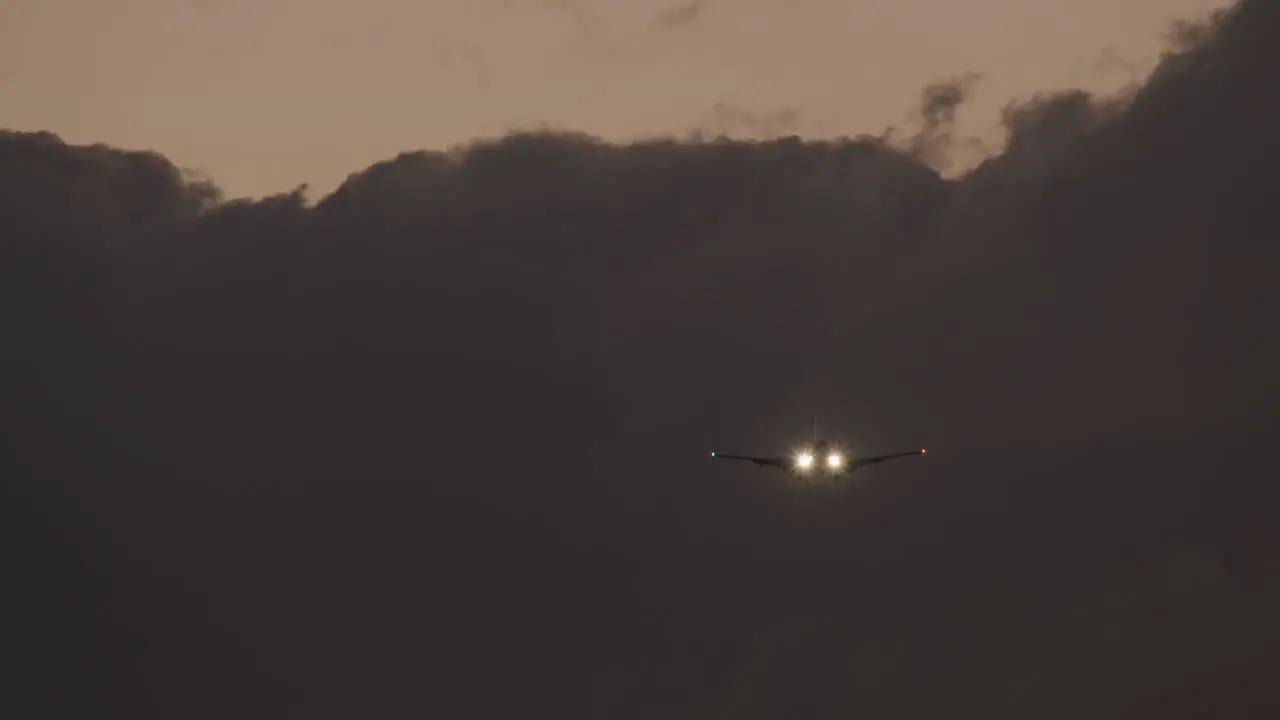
(820, 459)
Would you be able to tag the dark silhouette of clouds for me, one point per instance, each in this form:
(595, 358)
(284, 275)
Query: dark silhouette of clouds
(437, 441)
(933, 141)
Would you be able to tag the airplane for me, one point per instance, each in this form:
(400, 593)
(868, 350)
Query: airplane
(821, 459)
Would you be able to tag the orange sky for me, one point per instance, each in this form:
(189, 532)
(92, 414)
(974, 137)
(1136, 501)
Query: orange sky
(266, 94)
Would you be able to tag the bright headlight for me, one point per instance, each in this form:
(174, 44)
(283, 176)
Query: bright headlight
(804, 460)
(834, 460)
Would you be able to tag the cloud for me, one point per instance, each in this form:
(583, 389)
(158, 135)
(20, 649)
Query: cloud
(728, 120)
(447, 426)
(933, 141)
(682, 15)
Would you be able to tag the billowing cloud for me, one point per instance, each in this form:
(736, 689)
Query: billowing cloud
(681, 15)
(725, 120)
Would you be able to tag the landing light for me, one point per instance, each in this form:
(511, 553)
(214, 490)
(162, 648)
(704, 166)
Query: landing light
(834, 460)
(804, 460)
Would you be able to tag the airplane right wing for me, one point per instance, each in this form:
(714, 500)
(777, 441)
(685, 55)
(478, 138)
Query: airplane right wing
(877, 459)
(775, 462)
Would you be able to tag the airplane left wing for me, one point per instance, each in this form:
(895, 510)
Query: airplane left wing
(776, 462)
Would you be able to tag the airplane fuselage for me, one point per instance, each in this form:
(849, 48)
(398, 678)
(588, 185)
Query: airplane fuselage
(820, 459)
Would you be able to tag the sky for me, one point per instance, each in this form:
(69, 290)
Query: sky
(439, 443)
(266, 96)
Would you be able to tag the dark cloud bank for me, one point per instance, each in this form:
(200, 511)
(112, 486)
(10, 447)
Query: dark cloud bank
(435, 445)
